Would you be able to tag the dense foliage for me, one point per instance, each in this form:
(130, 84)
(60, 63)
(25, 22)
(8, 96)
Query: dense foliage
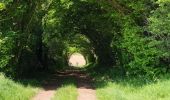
(129, 34)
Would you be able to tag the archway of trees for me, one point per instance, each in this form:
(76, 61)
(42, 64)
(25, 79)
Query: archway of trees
(82, 17)
(38, 34)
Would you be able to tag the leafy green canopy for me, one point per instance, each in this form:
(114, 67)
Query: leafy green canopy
(130, 34)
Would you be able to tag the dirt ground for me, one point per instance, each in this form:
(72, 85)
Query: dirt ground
(84, 86)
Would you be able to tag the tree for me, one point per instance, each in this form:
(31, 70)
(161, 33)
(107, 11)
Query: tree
(160, 29)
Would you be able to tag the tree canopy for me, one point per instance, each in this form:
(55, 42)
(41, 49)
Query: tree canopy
(127, 34)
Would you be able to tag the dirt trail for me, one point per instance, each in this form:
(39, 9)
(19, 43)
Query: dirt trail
(44, 95)
(49, 88)
(84, 85)
(85, 89)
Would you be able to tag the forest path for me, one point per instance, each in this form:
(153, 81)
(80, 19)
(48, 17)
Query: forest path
(86, 91)
(49, 88)
(84, 85)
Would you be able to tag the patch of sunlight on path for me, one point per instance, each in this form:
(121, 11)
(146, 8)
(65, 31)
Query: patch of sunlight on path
(77, 60)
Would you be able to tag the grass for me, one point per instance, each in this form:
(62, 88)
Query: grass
(68, 91)
(10, 90)
(133, 88)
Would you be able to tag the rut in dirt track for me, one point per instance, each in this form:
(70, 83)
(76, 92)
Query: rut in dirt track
(84, 85)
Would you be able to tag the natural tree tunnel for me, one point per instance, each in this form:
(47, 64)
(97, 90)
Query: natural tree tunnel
(88, 19)
(61, 49)
(41, 35)
(80, 47)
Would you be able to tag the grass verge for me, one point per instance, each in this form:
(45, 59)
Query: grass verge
(132, 88)
(10, 90)
(68, 91)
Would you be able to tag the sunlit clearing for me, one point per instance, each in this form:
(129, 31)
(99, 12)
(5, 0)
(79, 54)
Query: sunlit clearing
(77, 60)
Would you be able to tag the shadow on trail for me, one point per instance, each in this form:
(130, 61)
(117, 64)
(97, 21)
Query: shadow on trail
(50, 81)
(65, 78)
(82, 79)
(59, 79)
(85, 88)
